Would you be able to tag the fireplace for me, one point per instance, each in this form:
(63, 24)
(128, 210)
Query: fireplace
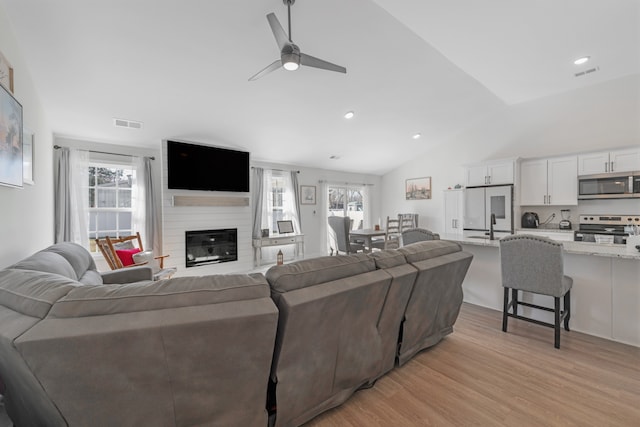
(211, 246)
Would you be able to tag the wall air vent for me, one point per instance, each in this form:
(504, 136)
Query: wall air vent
(130, 124)
(589, 71)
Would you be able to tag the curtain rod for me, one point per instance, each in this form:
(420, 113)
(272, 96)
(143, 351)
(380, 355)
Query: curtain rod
(279, 170)
(105, 152)
(364, 184)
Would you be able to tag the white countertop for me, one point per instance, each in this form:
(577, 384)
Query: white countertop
(580, 248)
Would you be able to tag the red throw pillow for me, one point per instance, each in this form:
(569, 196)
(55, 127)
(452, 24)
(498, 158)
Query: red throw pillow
(126, 255)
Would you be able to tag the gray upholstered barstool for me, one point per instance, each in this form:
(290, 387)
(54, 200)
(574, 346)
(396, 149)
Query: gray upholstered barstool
(414, 235)
(534, 264)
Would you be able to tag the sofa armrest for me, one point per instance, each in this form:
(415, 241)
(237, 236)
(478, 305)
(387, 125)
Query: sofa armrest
(127, 275)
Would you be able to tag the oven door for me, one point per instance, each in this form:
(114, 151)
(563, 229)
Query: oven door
(606, 186)
(599, 237)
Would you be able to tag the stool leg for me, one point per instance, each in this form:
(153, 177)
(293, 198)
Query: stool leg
(556, 327)
(505, 309)
(567, 309)
(514, 300)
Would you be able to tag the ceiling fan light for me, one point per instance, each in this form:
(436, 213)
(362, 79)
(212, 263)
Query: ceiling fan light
(290, 61)
(349, 115)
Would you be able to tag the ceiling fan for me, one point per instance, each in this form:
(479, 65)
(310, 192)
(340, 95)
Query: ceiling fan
(290, 56)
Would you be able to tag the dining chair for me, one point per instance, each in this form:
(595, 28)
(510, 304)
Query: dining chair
(407, 221)
(392, 236)
(340, 227)
(535, 264)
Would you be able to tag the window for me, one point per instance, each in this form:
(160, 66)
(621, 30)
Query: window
(111, 205)
(347, 201)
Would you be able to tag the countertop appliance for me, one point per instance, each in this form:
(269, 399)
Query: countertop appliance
(621, 185)
(530, 220)
(564, 223)
(604, 228)
(481, 202)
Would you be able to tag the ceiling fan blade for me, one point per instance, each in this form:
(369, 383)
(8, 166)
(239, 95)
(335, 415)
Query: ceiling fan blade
(266, 70)
(311, 61)
(278, 32)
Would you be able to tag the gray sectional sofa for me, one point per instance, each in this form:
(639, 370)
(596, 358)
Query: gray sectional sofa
(221, 350)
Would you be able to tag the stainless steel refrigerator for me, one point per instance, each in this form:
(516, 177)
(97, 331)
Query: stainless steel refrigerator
(481, 202)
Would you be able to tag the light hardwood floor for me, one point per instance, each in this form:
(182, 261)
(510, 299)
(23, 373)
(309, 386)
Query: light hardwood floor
(480, 376)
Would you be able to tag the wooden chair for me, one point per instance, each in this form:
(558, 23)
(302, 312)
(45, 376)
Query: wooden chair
(110, 245)
(408, 221)
(392, 237)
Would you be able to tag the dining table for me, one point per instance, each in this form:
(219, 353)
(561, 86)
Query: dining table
(367, 235)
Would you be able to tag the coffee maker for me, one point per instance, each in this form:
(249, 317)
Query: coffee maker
(564, 223)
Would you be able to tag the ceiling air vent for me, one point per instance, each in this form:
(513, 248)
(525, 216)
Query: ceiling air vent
(589, 71)
(131, 124)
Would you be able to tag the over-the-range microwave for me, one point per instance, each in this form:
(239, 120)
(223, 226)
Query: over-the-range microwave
(609, 185)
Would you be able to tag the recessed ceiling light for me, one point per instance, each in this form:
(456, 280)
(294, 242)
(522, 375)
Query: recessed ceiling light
(349, 115)
(334, 157)
(417, 136)
(582, 60)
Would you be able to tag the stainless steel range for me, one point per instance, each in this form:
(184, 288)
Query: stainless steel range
(605, 228)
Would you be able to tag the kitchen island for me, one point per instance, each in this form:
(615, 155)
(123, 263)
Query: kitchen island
(605, 298)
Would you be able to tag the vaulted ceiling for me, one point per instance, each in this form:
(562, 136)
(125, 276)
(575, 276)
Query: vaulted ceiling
(431, 67)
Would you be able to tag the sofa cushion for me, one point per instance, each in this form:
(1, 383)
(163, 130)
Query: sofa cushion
(309, 272)
(32, 293)
(126, 255)
(171, 293)
(388, 258)
(421, 251)
(77, 256)
(47, 262)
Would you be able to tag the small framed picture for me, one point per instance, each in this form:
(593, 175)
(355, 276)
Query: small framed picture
(27, 157)
(307, 194)
(418, 188)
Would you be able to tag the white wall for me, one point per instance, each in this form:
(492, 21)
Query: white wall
(26, 215)
(598, 117)
(178, 219)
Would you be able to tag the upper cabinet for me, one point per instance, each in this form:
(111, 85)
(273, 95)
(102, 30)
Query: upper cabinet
(551, 181)
(626, 160)
(490, 173)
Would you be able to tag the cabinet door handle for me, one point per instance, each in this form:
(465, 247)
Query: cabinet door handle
(549, 198)
(611, 167)
(545, 199)
(606, 166)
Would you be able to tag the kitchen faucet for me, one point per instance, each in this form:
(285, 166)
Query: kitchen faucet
(491, 224)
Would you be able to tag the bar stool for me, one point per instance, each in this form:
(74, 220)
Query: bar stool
(535, 264)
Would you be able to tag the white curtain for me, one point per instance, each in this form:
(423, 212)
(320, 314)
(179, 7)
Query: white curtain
(324, 211)
(366, 206)
(289, 199)
(71, 183)
(138, 201)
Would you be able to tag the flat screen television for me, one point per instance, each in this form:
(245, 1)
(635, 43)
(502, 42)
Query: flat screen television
(208, 168)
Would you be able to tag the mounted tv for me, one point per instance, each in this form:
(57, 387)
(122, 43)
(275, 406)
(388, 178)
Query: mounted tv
(208, 168)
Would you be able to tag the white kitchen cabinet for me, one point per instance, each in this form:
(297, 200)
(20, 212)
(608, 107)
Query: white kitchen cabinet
(453, 211)
(491, 173)
(550, 182)
(625, 160)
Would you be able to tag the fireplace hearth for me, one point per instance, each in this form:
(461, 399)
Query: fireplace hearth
(211, 246)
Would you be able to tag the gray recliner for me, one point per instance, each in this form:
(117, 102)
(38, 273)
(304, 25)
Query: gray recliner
(340, 226)
(413, 235)
(534, 264)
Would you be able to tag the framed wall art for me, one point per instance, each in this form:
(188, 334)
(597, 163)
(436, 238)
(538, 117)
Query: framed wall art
(6, 73)
(307, 194)
(27, 157)
(10, 139)
(418, 188)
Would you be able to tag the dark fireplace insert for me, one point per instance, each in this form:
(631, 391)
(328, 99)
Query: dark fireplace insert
(211, 246)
